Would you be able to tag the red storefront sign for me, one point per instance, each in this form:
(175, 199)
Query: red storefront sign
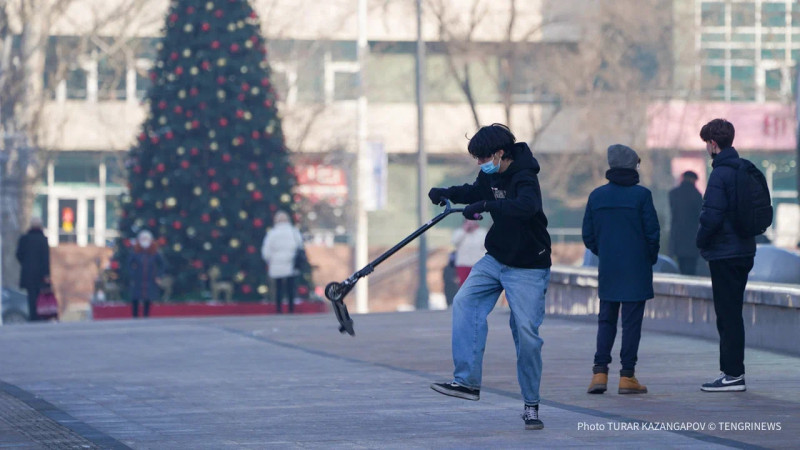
(759, 126)
(319, 182)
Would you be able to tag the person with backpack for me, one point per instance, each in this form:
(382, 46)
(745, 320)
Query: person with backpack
(621, 227)
(517, 260)
(736, 208)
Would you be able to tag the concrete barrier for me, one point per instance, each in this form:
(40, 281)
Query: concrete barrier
(685, 305)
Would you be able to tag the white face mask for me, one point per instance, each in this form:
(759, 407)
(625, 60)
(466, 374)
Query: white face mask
(144, 243)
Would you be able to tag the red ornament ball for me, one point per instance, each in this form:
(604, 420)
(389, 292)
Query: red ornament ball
(253, 166)
(173, 56)
(239, 113)
(154, 139)
(195, 123)
(178, 109)
(214, 186)
(197, 264)
(268, 103)
(302, 290)
(221, 80)
(234, 47)
(173, 18)
(170, 135)
(202, 106)
(177, 225)
(194, 151)
(205, 65)
(250, 249)
(189, 113)
(179, 70)
(137, 169)
(153, 76)
(246, 289)
(245, 87)
(142, 136)
(162, 241)
(224, 258)
(162, 104)
(218, 14)
(215, 233)
(205, 217)
(223, 121)
(270, 165)
(151, 222)
(257, 195)
(253, 15)
(226, 157)
(193, 91)
(160, 167)
(185, 164)
(265, 82)
(190, 10)
(115, 265)
(215, 45)
(211, 172)
(241, 97)
(205, 27)
(258, 223)
(139, 203)
(255, 134)
(235, 181)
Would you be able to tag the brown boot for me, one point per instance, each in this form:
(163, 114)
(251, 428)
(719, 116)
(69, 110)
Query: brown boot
(599, 383)
(630, 385)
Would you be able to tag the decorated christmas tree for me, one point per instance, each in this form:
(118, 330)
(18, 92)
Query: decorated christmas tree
(210, 166)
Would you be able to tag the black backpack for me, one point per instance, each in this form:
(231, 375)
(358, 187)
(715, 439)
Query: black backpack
(753, 213)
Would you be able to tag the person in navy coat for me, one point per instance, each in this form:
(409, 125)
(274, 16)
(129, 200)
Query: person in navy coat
(621, 227)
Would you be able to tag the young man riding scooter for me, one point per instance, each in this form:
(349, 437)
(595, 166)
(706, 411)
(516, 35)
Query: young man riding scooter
(517, 260)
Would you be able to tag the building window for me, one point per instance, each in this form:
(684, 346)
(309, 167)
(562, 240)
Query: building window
(713, 14)
(76, 169)
(743, 14)
(40, 209)
(773, 14)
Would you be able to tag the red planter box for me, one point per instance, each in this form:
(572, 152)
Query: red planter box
(119, 310)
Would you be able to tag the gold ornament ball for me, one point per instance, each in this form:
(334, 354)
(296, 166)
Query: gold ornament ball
(255, 90)
(188, 125)
(212, 134)
(239, 277)
(234, 243)
(194, 70)
(262, 289)
(250, 186)
(191, 232)
(231, 27)
(220, 94)
(207, 246)
(148, 184)
(162, 120)
(182, 94)
(248, 43)
(213, 146)
(209, 6)
(240, 24)
(197, 191)
(214, 202)
(159, 205)
(248, 115)
(165, 182)
(188, 28)
(243, 69)
(243, 214)
(171, 202)
(221, 62)
(223, 222)
(285, 198)
(273, 181)
(180, 150)
(187, 53)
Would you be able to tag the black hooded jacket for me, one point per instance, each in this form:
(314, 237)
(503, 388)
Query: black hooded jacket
(518, 237)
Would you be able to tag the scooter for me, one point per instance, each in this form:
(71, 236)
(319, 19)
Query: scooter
(335, 292)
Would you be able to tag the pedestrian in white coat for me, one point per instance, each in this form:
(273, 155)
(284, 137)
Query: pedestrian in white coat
(278, 250)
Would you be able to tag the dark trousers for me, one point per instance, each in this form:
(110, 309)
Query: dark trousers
(284, 287)
(145, 308)
(632, 314)
(33, 294)
(728, 281)
(687, 266)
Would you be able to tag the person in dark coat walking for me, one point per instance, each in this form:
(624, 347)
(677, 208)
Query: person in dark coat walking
(685, 202)
(33, 254)
(146, 266)
(621, 227)
(730, 257)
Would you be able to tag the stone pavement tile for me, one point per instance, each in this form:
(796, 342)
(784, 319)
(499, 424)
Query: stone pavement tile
(294, 382)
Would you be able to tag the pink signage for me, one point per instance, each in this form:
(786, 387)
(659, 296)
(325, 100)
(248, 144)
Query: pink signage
(759, 126)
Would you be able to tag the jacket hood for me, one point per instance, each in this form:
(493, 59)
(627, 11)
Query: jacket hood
(523, 159)
(622, 176)
(725, 155)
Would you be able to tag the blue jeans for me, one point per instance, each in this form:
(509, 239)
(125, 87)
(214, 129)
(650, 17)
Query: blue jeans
(525, 291)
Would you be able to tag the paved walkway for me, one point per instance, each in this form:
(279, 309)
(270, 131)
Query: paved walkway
(293, 381)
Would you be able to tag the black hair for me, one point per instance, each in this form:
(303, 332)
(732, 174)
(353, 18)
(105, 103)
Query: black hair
(689, 174)
(720, 131)
(490, 139)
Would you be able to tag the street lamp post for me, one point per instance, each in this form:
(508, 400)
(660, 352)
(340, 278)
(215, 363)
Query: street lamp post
(422, 162)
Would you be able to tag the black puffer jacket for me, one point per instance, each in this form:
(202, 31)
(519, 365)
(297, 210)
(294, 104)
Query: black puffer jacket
(717, 238)
(518, 237)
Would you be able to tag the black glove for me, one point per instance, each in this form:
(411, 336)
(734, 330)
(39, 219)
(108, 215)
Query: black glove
(438, 196)
(473, 211)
